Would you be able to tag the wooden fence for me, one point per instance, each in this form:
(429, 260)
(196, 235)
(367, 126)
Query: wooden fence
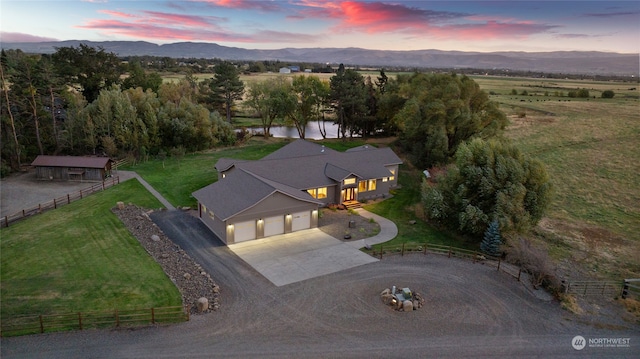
(631, 288)
(78, 321)
(593, 287)
(58, 202)
(452, 252)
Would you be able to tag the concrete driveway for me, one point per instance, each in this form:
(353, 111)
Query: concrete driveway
(298, 256)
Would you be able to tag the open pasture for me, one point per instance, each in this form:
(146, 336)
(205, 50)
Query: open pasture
(590, 148)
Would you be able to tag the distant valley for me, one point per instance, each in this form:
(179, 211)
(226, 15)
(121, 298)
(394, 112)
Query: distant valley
(569, 62)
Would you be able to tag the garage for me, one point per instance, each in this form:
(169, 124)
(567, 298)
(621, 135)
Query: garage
(301, 220)
(273, 225)
(244, 231)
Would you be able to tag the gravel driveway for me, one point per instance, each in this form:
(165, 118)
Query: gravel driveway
(471, 310)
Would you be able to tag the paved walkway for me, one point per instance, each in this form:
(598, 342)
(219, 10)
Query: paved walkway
(131, 174)
(302, 255)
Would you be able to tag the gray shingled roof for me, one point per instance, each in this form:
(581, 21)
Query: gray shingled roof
(291, 170)
(70, 161)
(300, 148)
(240, 191)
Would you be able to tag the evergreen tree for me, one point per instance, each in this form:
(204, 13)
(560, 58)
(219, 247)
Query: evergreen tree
(226, 87)
(492, 241)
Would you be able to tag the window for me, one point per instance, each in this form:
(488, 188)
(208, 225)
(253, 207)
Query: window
(210, 213)
(393, 172)
(349, 181)
(322, 193)
(362, 186)
(318, 193)
(385, 179)
(372, 185)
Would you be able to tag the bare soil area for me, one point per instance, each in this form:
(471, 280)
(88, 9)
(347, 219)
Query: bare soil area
(336, 223)
(22, 191)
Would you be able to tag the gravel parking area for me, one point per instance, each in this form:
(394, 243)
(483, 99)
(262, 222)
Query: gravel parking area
(22, 190)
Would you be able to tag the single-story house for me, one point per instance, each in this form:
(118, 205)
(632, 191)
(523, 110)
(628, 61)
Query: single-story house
(283, 191)
(72, 168)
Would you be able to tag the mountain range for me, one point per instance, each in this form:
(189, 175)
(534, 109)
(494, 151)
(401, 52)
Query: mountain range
(569, 62)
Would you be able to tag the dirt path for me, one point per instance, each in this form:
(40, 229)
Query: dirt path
(471, 310)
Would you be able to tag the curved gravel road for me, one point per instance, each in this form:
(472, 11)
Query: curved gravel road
(471, 310)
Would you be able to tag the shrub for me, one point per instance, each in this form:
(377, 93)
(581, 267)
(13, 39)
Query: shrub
(608, 94)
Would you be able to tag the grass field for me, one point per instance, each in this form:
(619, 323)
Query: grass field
(81, 258)
(590, 147)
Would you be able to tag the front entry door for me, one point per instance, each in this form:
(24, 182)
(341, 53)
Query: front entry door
(349, 194)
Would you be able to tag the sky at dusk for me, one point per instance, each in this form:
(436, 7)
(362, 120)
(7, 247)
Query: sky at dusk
(484, 26)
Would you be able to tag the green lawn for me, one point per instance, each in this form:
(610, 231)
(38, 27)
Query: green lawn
(177, 179)
(81, 258)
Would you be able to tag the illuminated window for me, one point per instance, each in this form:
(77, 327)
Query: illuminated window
(372, 185)
(203, 207)
(318, 193)
(362, 186)
(210, 213)
(393, 172)
(385, 179)
(349, 181)
(322, 193)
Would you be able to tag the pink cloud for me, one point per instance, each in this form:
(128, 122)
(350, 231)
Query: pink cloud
(153, 25)
(244, 4)
(380, 17)
(20, 37)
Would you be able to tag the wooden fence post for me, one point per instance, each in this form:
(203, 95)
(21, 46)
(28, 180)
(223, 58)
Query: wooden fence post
(499, 260)
(39, 208)
(68, 199)
(402, 254)
(449, 251)
(41, 324)
(117, 318)
(23, 214)
(381, 250)
(425, 249)
(519, 272)
(6, 221)
(103, 185)
(586, 285)
(80, 320)
(80, 194)
(55, 205)
(153, 317)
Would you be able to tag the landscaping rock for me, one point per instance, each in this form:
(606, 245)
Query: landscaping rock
(413, 221)
(183, 271)
(202, 304)
(120, 205)
(407, 306)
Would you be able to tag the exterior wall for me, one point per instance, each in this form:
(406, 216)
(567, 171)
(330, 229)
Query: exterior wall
(62, 174)
(382, 189)
(217, 226)
(332, 196)
(395, 169)
(276, 204)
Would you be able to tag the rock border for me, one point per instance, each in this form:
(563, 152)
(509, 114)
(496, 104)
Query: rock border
(193, 282)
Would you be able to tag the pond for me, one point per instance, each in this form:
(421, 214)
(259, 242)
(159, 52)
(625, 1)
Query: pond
(312, 131)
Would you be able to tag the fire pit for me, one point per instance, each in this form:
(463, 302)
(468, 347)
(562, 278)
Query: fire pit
(402, 300)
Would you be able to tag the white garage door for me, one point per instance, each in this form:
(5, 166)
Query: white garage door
(301, 220)
(273, 225)
(244, 231)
